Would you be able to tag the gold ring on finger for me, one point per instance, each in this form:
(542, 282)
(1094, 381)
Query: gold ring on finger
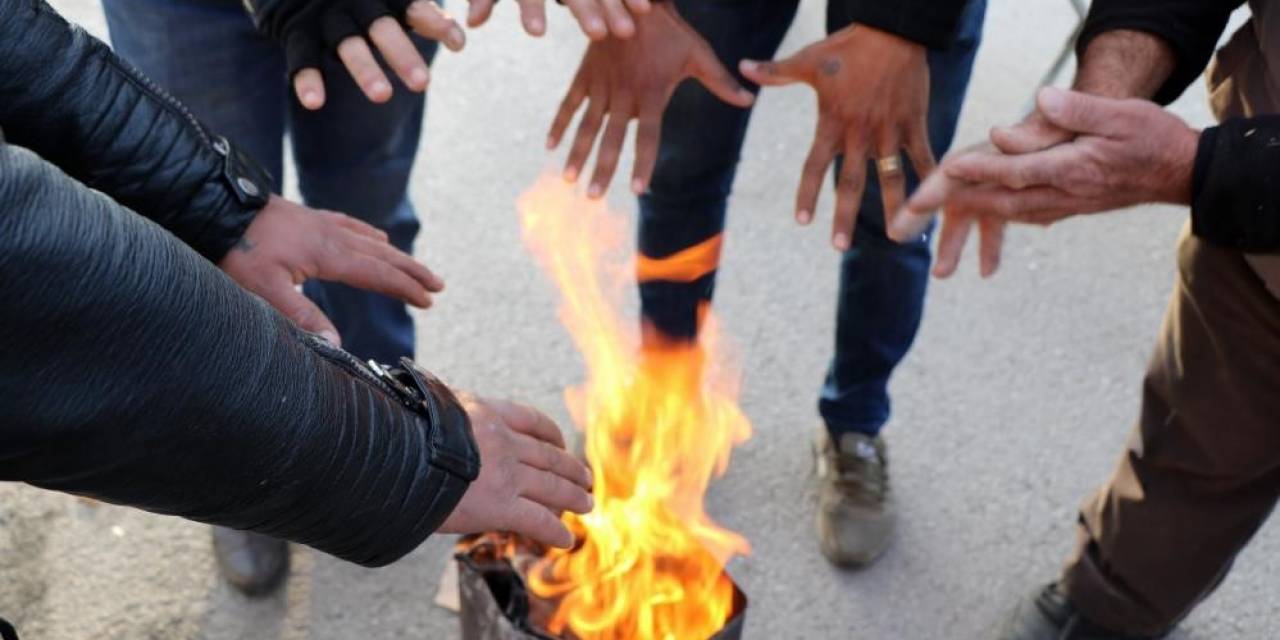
(889, 165)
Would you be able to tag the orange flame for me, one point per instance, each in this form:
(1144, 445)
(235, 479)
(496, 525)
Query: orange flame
(659, 425)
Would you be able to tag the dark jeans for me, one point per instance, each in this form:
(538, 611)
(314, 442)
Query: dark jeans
(352, 156)
(882, 284)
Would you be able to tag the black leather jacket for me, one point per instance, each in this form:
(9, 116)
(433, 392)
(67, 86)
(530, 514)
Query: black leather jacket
(134, 371)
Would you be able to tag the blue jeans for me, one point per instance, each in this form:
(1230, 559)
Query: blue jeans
(352, 156)
(882, 284)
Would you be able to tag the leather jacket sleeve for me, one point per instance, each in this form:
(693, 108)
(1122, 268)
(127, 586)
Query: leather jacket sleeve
(135, 372)
(932, 23)
(66, 96)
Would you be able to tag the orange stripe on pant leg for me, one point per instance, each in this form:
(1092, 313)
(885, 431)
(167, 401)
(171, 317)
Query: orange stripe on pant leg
(683, 266)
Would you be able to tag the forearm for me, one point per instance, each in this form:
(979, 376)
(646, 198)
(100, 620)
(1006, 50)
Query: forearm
(133, 371)
(1177, 39)
(1124, 64)
(66, 96)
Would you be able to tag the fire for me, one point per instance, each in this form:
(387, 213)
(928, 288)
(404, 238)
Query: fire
(660, 423)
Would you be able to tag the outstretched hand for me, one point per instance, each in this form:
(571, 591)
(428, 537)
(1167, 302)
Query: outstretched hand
(348, 27)
(527, 479)
(633, 79)
(873, 101)
(288, 244)
(1119, 153)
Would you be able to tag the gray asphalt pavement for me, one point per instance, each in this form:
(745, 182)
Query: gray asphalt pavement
(1015, 402)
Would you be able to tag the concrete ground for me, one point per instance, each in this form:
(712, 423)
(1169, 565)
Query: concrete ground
(1013, 405)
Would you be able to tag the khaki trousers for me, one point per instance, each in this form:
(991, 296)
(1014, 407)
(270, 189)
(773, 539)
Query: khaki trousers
(1202, 469)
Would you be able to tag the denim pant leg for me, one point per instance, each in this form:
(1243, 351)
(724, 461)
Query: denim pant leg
(209, 56)
(698, 157)
(882, 284)
(355, 156)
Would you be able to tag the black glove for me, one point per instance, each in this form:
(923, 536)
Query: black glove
(310, 28)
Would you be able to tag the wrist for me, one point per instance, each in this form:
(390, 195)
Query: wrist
(1179, 171)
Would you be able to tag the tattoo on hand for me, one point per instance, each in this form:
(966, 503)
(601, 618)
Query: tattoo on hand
(829, 67)
(244, 245)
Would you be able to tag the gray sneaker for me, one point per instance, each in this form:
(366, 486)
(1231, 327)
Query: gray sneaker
(254, 564)
(855, 515)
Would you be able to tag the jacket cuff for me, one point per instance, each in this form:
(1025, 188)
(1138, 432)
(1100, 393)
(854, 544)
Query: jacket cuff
(1235, 202)
(247, 188)
(927, 22)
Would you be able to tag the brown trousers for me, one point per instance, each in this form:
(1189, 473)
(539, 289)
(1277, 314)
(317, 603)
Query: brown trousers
(1202, 470)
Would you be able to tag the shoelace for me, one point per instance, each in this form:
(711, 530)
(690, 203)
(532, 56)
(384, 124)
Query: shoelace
(867, 474)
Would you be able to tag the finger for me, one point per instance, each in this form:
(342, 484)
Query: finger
(615, 135)
(1083, 113)
(382, 250)
(528, 518)
(547, 457)
(589, 18)
(849, 189)
(359, 61)
(951, 240)
(587, 130)
(893, 183)
(1043, 168)
(920, 151)
(308, 85)
(568, 106)
(912, 220)
(777, 73)
(990, 245)
(1034, 133)
(398, 50)
(639, 6)
(478, 12)
(1036, 205)
(619, 19)
(552, 491)
(428, 20)
(359, 226)
(528, 421)
(533, 15)
(364, 271)
(648, 136)
(303, 312)
(706, 67)
(821, 154)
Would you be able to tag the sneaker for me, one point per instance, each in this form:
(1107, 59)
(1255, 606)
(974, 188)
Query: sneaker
(254, 564)
(855, 516)
(1049, 615)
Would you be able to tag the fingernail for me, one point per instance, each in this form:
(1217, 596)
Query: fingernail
(331, 337)
(595, 191)
(419, 76)
(750, 65)
(456, 37)
(596, 25)
(841, 241)
(551, 143)
(536, 25)
(310, 99)
(570, 175)
(637, 186)
(804, 217)
(379, 87)
(591, 503)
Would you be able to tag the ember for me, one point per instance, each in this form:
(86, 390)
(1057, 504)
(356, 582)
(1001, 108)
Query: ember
(659, 423)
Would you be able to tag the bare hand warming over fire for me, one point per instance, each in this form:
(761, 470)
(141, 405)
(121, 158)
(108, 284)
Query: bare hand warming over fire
(598, 18)
(1123, 152)
(288, 244)
(634, 79)
(526, 477)
(873, 101)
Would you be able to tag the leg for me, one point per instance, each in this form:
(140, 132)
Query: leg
(355, 156)
(684, 208)
(882, 284)
(1201, 473)
(208, 55)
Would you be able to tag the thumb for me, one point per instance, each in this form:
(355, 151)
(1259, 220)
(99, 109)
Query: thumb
(706, 67)
(776, 73)
(304, 313)
(1035, 133)
(1080, 112)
